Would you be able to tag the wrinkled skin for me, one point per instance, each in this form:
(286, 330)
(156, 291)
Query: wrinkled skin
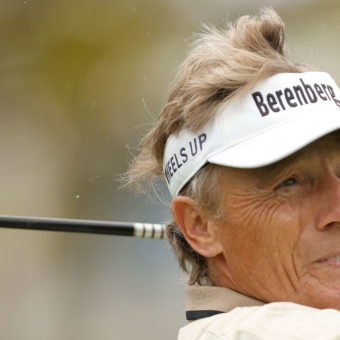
(281, 228)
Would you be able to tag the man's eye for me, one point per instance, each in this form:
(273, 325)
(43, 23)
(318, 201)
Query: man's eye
(287, 183)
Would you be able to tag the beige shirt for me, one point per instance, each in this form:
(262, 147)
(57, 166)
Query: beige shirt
(244, 318)
(204, 301)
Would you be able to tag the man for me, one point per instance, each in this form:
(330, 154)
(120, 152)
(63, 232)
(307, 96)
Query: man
(249, 146)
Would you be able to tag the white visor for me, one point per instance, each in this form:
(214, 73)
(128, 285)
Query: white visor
(274, 119)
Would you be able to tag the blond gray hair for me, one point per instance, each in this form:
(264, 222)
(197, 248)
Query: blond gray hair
(221, 63)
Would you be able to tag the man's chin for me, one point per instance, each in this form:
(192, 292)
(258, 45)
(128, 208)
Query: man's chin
(322, 296)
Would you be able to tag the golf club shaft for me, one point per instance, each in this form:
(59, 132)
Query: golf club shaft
(146, 230)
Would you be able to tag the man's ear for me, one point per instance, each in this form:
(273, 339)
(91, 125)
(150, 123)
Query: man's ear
(197, 227)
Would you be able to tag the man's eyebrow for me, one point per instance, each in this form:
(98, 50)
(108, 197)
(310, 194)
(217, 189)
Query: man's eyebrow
(271, 172)
(287, 162)
(336, 135)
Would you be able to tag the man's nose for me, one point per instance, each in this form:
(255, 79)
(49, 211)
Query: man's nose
(329, 203)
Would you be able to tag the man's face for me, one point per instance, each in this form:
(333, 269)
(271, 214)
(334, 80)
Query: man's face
(281, 230)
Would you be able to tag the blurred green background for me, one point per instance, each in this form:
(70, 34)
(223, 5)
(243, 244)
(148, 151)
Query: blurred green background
(80, 81)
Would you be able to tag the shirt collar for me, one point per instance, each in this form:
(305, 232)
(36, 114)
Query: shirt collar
(205, 301)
